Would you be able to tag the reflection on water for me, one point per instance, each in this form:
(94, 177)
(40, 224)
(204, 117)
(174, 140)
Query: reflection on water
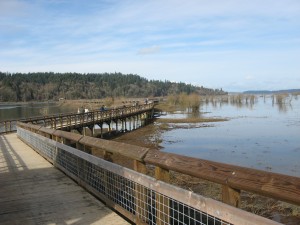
(262, 133)
(18, 111)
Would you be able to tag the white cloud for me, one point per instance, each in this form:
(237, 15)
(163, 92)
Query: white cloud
(249, 77)
(230, 44)
(149, 50)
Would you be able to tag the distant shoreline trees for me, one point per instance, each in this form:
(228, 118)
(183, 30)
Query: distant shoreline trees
(44, 86)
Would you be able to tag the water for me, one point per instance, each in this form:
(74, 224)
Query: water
(19, 111)
(264, 136)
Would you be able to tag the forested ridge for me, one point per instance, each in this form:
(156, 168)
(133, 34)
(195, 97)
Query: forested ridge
(52, 86)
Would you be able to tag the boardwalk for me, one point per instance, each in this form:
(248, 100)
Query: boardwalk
(32, 191)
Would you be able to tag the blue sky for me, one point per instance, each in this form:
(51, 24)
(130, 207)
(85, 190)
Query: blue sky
(231, 44)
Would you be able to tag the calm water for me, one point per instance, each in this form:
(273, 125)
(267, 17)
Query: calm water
(264, 136)
(18, 111)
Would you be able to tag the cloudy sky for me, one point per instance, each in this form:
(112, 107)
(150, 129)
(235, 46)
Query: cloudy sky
(236, 45)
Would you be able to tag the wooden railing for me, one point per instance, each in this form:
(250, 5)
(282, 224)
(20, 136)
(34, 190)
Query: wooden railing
(233, 179)
(139, 197)
(99, 116)
(59, 121)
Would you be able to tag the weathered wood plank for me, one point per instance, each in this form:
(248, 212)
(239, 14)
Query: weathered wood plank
(278, 186)
(46, 130)
(68, 135)
(127, 150)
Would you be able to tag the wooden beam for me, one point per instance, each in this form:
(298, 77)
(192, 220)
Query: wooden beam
(277, 186)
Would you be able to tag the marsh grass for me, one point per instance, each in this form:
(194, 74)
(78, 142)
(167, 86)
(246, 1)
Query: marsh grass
(190, 120)
(190, 102)
(281, 98)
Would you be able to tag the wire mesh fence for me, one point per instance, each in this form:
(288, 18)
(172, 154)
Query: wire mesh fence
(148, 200)
(8, 126)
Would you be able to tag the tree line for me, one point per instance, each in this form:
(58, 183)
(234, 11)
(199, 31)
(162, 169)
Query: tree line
(52, 86)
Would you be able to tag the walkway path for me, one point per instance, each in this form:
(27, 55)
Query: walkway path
(32, 191)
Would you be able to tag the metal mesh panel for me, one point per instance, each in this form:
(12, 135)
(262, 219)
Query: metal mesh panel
(148, 205)
(44, 148)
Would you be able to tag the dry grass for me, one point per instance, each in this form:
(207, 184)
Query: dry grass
(190, 120)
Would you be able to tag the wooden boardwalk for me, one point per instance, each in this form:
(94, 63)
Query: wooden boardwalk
(32, 191)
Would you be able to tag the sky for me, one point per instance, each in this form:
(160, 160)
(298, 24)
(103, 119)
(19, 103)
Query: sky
(235, 45)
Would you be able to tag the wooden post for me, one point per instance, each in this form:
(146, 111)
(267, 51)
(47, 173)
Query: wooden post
(162, 203)
(231, 196)
(141, 196)
(107, 156)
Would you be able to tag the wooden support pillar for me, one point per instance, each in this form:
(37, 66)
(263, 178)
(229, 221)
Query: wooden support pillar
(134, 122)
(101, 129)
(122, 121)
(109, 129)
(162, 203)
(130, 123)
(231, 196)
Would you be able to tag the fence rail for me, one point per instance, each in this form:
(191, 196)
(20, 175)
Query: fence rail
(142, 199)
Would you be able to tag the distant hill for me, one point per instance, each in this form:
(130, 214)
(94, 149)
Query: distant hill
(53, 86)
(265, 92)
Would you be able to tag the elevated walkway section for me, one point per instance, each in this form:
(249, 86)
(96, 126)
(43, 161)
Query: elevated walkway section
(32, 191)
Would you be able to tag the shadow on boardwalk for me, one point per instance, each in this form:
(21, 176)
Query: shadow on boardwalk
(32, 191)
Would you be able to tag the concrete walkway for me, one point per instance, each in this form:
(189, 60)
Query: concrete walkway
(32, 191)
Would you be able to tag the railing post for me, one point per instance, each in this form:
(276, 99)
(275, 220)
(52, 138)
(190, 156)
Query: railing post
(162, 203)
(231, 196)
(141, 195)
(107, 156)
